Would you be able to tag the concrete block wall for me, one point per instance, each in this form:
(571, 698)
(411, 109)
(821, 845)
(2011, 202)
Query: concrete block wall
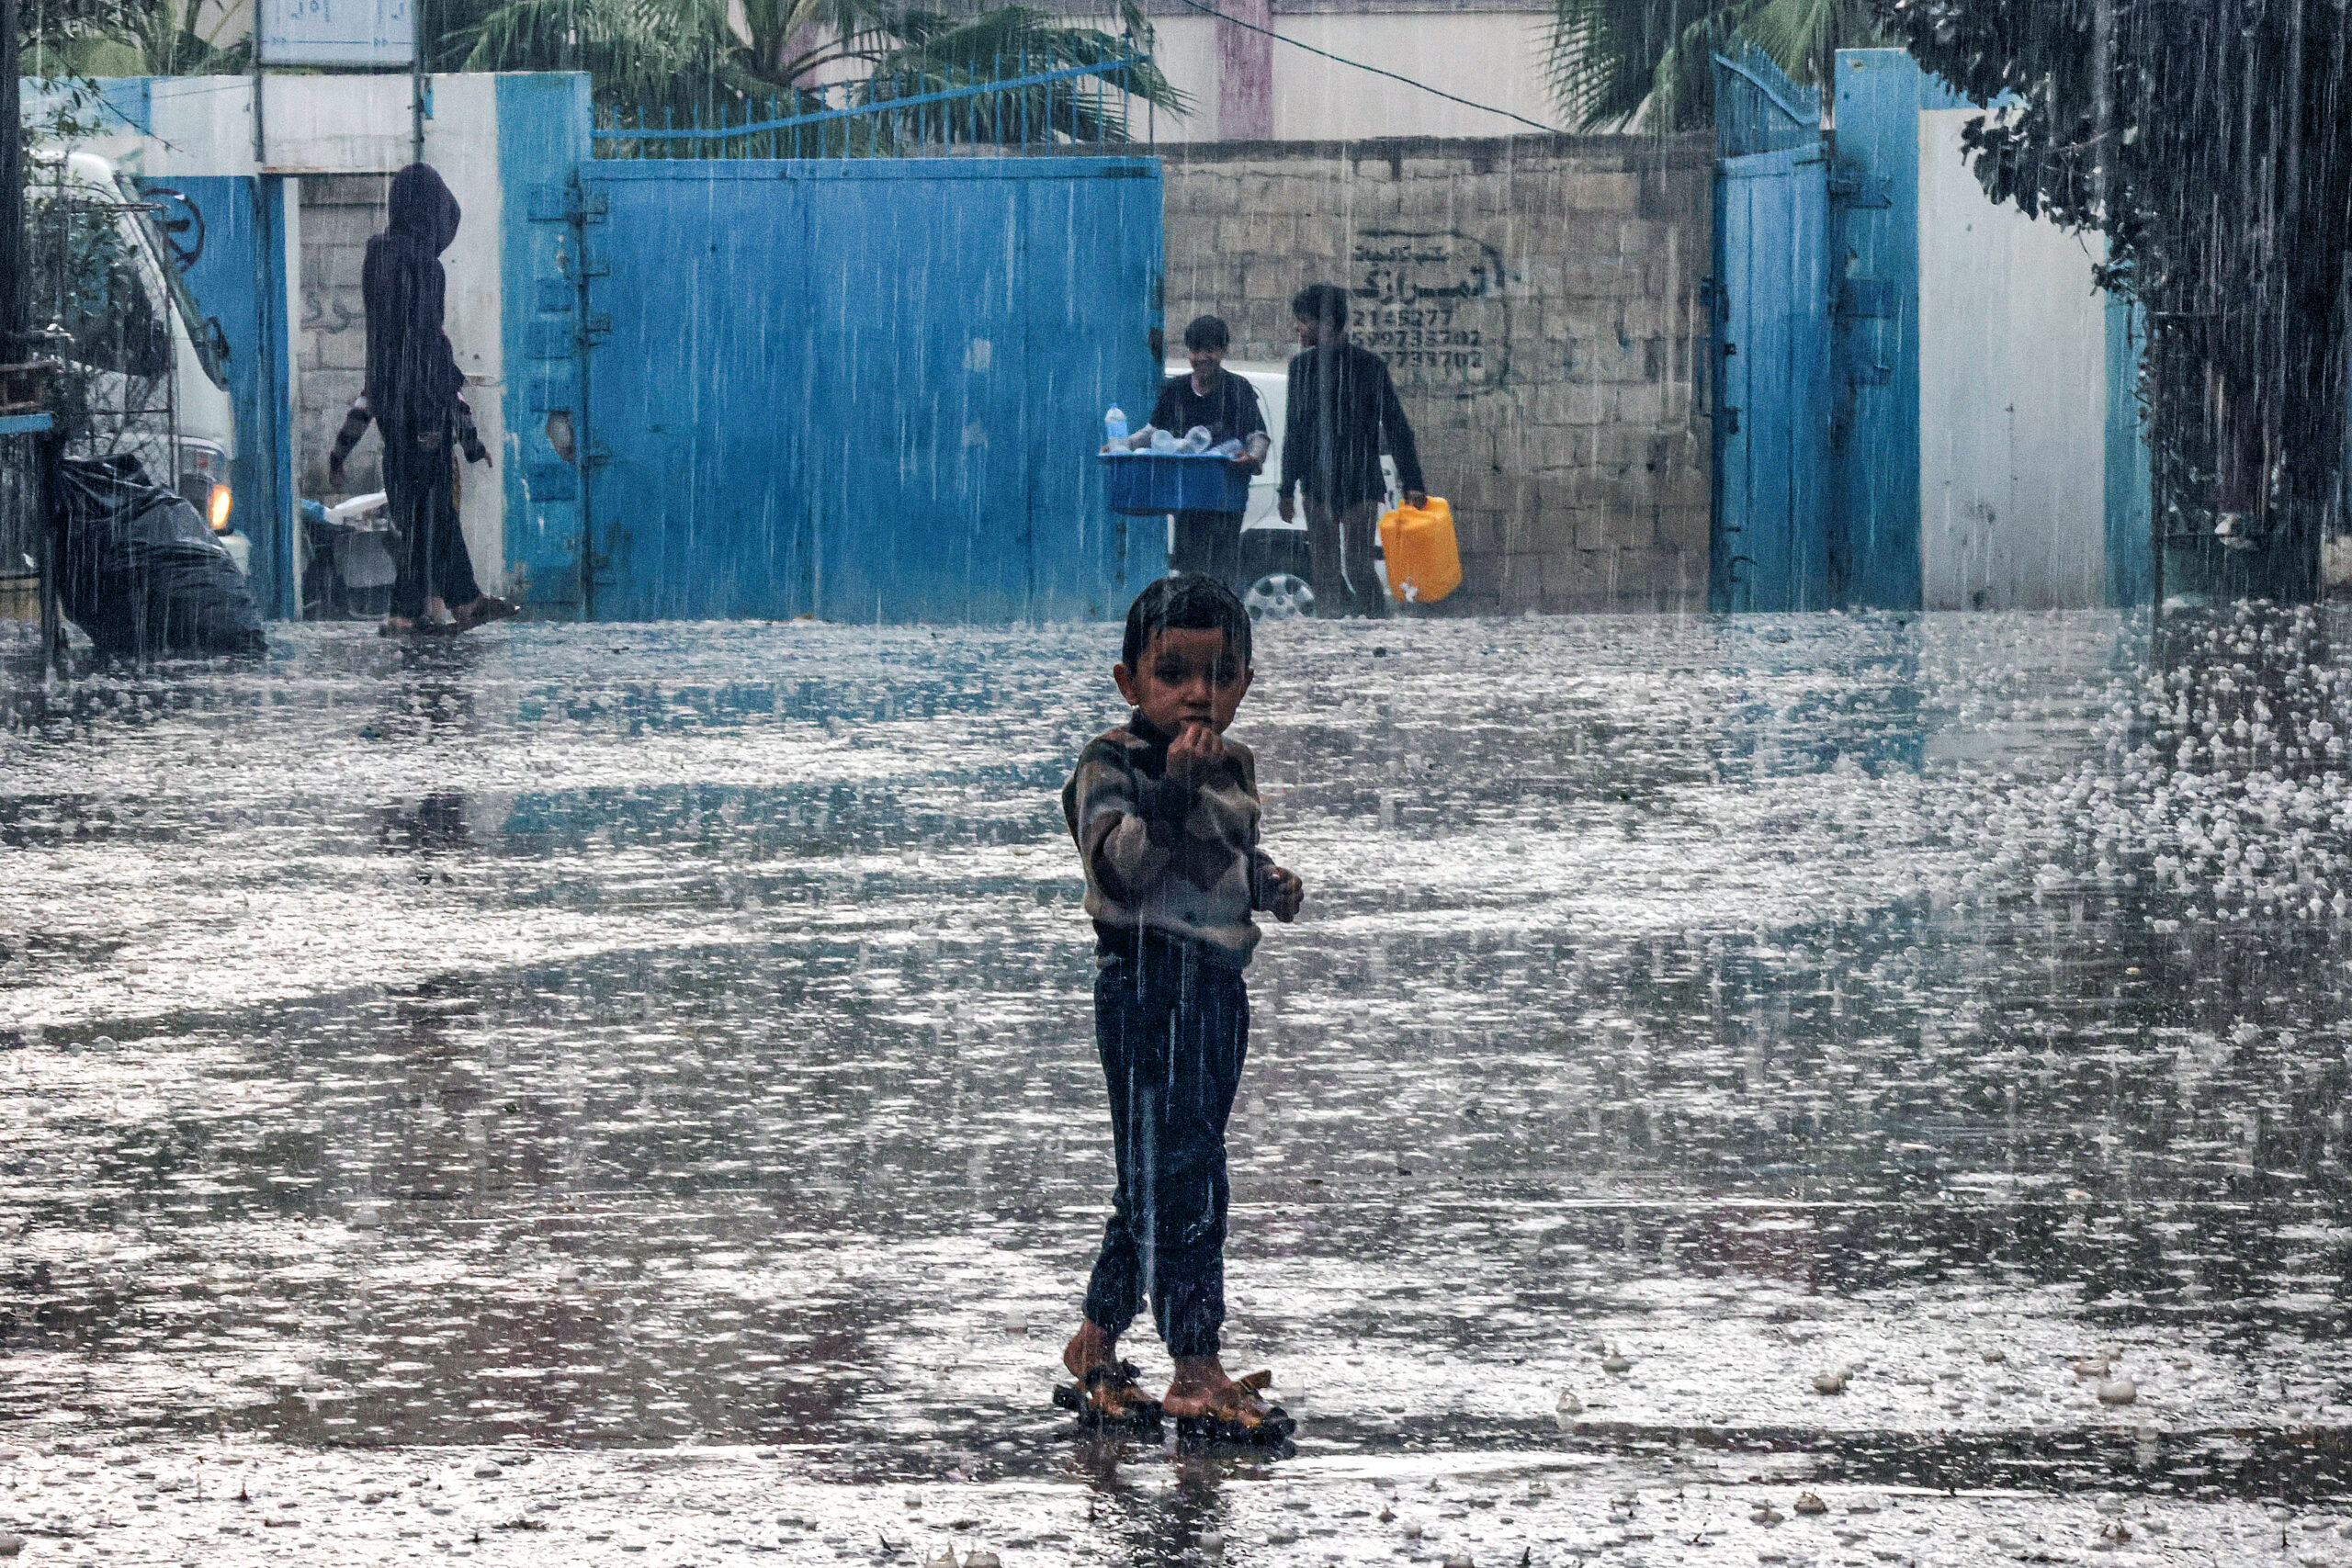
(1537, 300)
(339, 213)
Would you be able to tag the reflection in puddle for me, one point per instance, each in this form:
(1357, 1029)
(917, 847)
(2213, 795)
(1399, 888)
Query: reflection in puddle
(678, 1036)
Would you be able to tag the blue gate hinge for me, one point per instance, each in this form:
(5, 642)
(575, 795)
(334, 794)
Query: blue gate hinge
(1850, 185)
(596, 329)
(598, 454)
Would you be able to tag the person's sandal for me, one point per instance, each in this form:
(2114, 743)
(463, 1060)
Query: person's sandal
(1239, 1416)
(483, 611)
(1109, 1396)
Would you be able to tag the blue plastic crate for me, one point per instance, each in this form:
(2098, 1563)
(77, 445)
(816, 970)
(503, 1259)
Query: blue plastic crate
(1144, 484)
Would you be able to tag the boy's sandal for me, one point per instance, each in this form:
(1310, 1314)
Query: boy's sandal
(1109, 1396)
(1238, 1416)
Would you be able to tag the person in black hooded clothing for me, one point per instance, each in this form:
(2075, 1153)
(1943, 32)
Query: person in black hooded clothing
(415, 394)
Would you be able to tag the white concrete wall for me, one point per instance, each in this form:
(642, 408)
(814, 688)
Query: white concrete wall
(461, 140)
(2012, 397)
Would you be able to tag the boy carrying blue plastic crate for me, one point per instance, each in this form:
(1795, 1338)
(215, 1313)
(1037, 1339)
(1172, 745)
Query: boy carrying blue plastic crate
(1226, 406)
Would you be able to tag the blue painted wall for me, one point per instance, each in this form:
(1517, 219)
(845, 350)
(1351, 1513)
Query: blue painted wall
(1875, 327)
(2130, 566)
(543, 125)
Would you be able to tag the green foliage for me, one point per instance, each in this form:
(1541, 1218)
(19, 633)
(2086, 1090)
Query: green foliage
(1645, 64)
(93, 39)
(683, 55)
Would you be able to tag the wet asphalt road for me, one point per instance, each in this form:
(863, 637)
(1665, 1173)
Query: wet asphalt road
(1901, 1061)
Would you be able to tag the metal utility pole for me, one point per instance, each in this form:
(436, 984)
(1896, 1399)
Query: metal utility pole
(24, 418)
(14, 313)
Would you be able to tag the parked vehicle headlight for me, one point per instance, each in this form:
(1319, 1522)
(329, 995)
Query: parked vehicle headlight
(204, 479)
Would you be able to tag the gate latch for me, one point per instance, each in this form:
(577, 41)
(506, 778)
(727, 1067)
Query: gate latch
(1849, 184)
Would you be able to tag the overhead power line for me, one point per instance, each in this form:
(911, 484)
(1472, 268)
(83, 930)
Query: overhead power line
(1202, 6)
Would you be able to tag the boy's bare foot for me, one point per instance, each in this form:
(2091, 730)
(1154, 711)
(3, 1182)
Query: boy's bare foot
(1087, 1349)
(1106, 1390)
(1200, 1382)
(1212, 1404)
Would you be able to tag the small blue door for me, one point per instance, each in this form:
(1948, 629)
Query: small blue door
(699, 388)
(1772, 545)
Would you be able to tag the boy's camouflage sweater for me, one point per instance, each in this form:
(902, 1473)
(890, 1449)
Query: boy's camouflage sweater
(1178, 859)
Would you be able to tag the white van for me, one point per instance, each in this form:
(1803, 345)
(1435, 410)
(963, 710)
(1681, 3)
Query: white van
(150, 369)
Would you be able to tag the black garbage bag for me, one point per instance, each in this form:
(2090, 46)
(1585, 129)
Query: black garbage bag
(139, 572)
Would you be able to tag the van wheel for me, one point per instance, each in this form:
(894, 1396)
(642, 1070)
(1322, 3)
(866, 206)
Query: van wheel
(1278, 596)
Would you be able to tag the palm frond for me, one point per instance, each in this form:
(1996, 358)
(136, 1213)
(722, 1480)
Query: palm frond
(1621, 62)
(1804, 36)
(684, 55)
(1603, 55)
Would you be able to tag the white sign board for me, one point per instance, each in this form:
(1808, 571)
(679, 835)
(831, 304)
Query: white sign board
(337, 32)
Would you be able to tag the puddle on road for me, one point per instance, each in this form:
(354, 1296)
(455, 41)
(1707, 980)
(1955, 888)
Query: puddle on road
(599, 1037)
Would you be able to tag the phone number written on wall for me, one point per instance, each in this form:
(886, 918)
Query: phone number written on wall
(1418, 337)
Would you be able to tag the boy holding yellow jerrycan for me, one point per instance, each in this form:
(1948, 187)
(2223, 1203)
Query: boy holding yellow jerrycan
(1341, 405)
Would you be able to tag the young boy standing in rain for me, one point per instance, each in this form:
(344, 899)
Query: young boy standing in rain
(1165, 813)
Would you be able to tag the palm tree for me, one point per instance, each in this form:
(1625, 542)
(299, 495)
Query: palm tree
(1645, 64)
(137, 38)
(687, 55)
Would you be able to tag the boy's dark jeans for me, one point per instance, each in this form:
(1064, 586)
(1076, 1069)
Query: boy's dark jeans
(1172, 1028)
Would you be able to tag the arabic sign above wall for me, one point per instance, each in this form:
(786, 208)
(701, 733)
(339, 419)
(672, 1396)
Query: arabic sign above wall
(337, 32)
(1434, 305)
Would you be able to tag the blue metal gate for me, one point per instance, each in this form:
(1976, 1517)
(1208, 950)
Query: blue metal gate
(863, 389)
(1771, 548)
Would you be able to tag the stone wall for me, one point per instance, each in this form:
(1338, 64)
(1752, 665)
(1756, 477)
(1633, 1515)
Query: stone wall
(339, 212)
(1537, 298)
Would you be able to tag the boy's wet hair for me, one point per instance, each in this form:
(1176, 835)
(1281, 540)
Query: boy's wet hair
(1208, 332)
(1324, 302)
(1185, 603)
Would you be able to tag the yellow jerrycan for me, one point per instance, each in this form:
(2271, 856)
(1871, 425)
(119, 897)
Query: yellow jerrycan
(1417, 541)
